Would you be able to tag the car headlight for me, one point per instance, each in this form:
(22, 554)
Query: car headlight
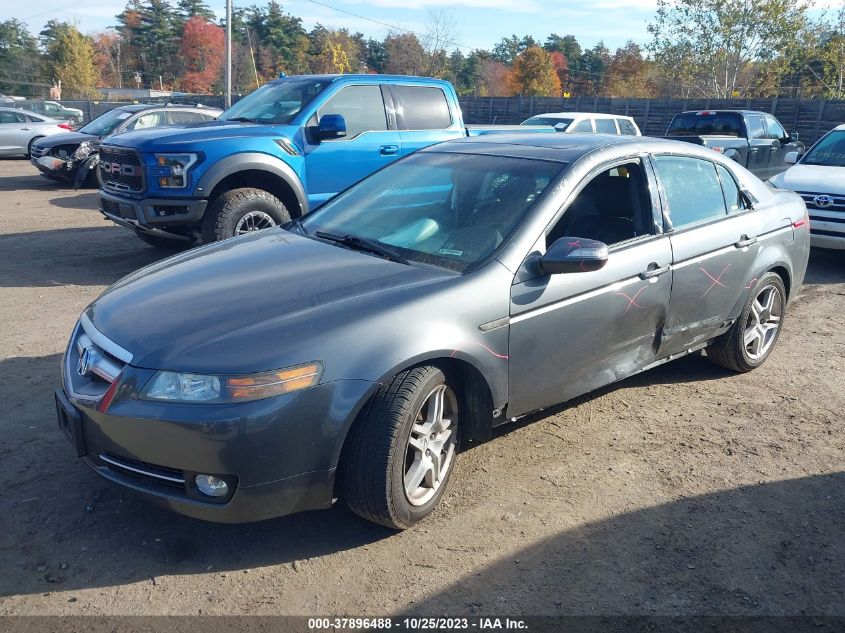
(84, 150)
(172, 169)
(175, 386)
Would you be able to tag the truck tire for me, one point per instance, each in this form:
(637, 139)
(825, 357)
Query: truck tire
(752, 337)
(164, 243)
(401, 450)
(242, 211)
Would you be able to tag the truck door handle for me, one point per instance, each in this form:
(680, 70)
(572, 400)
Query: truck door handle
(388, 150)
(745, 241)
(656, 271)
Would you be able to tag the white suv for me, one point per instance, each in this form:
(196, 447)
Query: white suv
(586, 123)
(818, 176)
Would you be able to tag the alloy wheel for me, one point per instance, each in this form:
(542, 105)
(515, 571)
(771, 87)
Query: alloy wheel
(763, 322)
(254, 221)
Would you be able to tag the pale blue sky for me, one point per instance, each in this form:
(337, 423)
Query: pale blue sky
(478, 23)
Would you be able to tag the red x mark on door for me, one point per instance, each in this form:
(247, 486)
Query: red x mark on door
(717, 281)
(632, 301)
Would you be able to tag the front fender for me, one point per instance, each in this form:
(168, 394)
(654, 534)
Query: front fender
(92, 162)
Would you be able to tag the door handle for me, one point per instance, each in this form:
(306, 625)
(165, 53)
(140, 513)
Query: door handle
(651, 273)
(745, 241)
(388, 150)
(26, 128)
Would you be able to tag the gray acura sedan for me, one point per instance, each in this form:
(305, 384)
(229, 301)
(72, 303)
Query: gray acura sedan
(353, 353)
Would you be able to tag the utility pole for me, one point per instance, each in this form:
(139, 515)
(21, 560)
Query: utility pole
(228, 96)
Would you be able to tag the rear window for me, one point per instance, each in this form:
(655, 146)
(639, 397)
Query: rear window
(626, 127)
(706, 124)
(421, 107)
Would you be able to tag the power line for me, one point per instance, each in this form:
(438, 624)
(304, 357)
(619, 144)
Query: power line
(56, 10)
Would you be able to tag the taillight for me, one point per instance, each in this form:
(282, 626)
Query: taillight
(66, 126)
(803, 221)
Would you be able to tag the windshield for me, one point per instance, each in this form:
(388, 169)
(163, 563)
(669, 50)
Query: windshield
(830, 151)
(706, 124)
(448, 210)
(106, 123)
(542, 120)
(276, 102)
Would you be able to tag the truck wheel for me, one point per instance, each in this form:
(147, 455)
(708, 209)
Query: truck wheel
(401, 450)
(164, 243)
(752, 338)
(242, 211)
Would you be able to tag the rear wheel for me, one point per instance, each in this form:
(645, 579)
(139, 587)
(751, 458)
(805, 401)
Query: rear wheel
(242, 211)
(752, 338)
(401, 451)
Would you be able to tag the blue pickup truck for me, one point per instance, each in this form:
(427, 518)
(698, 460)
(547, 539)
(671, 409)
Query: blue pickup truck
(282, 150)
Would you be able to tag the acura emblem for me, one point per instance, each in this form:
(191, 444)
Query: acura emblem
(85, 361)
(823, 201)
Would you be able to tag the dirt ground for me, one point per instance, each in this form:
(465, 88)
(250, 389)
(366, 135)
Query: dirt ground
(685, 490)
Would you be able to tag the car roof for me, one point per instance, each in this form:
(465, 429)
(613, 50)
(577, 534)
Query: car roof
(723, 111)
(370, 77)
(571, 115)
(561, 148)
(27, 112)
(138, 107)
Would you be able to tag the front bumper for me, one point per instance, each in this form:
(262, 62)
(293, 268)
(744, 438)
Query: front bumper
(54, 167)
(151, 214)
(279, 455)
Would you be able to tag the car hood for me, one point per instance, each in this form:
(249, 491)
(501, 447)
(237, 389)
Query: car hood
(197, 135)
(252, 303)
(812, 178)
(66, 138)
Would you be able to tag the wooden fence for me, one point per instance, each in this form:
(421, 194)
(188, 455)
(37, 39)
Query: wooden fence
(809, 117)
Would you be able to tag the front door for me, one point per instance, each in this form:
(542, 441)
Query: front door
(333, 165)
(571, 333)
(714, 243)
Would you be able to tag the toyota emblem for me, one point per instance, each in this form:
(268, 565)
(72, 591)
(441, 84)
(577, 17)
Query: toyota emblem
(85, 361)
(823, 201)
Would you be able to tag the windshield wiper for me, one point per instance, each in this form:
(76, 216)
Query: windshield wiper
(243, 119)
(363, 244)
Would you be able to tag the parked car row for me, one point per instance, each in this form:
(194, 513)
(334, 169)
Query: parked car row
(428, 282)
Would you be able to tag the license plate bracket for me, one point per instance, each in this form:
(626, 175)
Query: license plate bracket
(70, 422)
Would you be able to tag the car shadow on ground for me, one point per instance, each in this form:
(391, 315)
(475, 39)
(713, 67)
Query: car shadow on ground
(826, 267)
(771, 549)
(76, 256)
(81, 200)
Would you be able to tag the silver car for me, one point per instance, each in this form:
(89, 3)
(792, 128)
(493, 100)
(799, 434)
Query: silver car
(20, 128)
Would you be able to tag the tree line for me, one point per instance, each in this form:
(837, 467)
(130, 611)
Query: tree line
(697, 48)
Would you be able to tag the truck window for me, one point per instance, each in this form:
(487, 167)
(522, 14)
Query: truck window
(755, 126)
(626, 127)
(361, 106)
(774, 129)
(606, 126)
(706, 124)
(185, 117)
(148, 120)
(681, 175)
(584, 125)
(421, 107)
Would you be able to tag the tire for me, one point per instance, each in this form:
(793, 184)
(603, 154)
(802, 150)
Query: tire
(29, 146)
(163, 243)
(378, 456)
(753, 336)
(230, 213)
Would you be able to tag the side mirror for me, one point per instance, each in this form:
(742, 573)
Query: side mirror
(573, 255)
(331, 126)
(791, 158)
(793, 136)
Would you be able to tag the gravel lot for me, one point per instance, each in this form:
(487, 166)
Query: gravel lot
(685, 490)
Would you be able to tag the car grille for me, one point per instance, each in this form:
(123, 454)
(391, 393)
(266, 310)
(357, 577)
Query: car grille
(143, 470)
(92, 362)
(811, 199)
(121, 169)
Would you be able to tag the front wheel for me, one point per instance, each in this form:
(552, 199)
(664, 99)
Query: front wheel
(241, 211)
(752, 337)
(401, 451)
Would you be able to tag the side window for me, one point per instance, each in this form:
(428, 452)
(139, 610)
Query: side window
(12, 117)
(626, 127)
(177, 117)
(606, 126)
(584, 125)
(147, 120)
(421, 107)
(361, 106)
(692, 189)
(774, 129)
(613, 207)
(35, 119)
(733, 198)
(50, 108)
(755, 126)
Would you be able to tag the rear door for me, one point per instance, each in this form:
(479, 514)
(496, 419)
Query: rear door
(714, 243)
(14, 132)
(422, 116)
(371, 142)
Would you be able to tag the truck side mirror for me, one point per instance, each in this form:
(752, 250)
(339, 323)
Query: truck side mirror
(331, 126)
(793, 136)
(573, 255)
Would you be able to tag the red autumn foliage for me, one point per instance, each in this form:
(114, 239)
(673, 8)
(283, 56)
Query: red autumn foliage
(202, 52)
